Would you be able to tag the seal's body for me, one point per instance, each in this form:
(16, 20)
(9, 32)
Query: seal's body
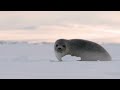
(86, 50)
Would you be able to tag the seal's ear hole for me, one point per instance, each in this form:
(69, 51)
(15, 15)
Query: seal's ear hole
(64, 46)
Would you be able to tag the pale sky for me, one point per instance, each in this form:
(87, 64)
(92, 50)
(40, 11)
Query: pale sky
(100, 26)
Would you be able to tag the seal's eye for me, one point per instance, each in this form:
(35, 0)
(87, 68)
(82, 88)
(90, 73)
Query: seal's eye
(64, 46)
(56, 45)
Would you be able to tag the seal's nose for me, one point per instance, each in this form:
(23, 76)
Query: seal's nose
(59, 48)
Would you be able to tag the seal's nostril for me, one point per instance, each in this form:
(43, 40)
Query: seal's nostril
(59, 48)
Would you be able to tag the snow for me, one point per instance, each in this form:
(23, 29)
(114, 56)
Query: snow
(38, 61)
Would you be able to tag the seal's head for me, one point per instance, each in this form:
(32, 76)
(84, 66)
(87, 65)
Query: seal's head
(60, 48)
(60, 45)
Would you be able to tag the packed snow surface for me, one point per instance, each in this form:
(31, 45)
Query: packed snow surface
(38, 61)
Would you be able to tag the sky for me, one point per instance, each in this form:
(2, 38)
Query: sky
(99, 26)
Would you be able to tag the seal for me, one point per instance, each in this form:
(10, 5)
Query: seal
(86, 50)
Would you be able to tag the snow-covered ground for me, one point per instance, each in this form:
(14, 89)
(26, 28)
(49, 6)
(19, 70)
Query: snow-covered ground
(37, 61)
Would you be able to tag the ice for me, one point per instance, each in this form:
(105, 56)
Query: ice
(29, 61)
